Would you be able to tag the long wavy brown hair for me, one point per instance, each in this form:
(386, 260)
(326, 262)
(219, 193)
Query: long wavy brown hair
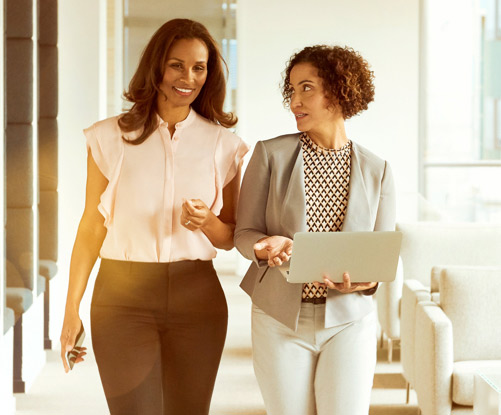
(144, 89)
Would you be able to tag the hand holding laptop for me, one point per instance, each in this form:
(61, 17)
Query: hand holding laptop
(346, 287)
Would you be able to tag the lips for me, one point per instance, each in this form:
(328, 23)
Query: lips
(300, 115)
(183, 91)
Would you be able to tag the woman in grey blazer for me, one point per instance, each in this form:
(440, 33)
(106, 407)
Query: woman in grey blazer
(314, 345)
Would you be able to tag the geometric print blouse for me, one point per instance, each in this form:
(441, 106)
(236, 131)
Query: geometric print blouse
(326, 184)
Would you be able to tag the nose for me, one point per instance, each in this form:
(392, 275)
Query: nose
(187, 76)
(295, 101)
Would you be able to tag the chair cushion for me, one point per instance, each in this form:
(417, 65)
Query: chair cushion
(469, 296)
(463, 378)
(8, 319)
(19, 299)
(47, 268)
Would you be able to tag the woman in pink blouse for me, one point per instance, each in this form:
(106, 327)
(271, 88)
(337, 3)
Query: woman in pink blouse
(162, 187)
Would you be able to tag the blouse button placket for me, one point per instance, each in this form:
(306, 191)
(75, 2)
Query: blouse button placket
(169, 179)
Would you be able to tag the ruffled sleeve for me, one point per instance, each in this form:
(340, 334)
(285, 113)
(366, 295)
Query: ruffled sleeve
(230, 151)
(229, 155)
(104, 140)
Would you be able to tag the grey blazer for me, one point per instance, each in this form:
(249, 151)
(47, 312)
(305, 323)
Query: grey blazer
(272, 202)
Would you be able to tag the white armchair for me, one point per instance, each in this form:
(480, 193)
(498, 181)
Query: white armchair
(457, 338)
(427, 244)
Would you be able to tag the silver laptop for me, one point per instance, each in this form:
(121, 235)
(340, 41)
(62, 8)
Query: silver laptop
(366, 256)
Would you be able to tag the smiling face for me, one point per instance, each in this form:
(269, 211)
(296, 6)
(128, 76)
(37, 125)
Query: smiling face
(312, 109)
(185, 73)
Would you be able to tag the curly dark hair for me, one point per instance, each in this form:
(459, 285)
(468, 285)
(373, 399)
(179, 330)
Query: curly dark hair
(347, 78)
(143, 87)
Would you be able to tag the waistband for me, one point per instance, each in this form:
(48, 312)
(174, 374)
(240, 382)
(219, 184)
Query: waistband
(154, 268)
(314, 300)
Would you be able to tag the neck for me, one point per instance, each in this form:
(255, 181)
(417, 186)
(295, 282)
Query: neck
(332, 135)
(170, 114)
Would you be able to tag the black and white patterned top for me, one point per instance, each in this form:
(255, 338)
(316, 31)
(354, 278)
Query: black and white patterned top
(326, 184)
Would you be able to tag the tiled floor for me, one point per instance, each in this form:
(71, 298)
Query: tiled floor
(236, 391)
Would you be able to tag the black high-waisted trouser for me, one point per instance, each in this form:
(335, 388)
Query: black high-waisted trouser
(158, 331)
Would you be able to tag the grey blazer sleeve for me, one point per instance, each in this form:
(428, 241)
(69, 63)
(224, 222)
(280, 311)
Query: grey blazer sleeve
(251, 213)
(386, 211)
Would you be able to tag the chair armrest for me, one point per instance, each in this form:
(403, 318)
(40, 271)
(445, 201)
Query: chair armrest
(435, 297)
(413, 292)
(434, 359)
(436, 271)
(388, 298)
(47, 268)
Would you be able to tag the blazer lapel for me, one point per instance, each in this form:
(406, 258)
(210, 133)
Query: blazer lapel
(358, 213)
(293, 216)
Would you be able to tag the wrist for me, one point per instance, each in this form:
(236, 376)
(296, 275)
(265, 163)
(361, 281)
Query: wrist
(72, 308)
(209, 222)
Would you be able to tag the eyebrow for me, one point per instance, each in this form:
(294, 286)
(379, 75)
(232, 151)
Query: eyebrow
(180, 60)
(303, 82)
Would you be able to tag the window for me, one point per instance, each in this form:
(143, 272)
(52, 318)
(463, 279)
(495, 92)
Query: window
(461, 116)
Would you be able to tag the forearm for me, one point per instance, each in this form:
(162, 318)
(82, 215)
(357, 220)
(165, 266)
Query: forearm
(85, 252)
(219, 233)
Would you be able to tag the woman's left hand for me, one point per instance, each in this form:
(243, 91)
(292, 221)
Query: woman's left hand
(195, 214)
(346, 286)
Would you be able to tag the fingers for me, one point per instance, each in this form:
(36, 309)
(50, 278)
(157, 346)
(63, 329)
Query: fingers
(346, 281)
(277, 249)
(277, 258)
(284, 256)
(67, 344)
(194, 207)
(191, 210)
(65, 348)
(327, 282)
(345, 287)
(63, 358)
(195, 214)
(187, 223)
(80, 356)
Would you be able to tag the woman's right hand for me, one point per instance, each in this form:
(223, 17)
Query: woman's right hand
(69, 332)
(275, 249)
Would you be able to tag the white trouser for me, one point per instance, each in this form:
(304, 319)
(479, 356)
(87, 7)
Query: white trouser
(315, 370)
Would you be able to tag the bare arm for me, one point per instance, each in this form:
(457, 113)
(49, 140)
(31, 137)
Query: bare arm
(219, 229)
(90, 236)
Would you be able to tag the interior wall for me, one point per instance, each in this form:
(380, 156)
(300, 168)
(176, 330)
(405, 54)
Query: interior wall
(80, 105)
(385, 32)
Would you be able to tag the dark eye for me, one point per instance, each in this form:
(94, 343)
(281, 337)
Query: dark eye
(176, 65)
(307, 88)
(200, 68)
